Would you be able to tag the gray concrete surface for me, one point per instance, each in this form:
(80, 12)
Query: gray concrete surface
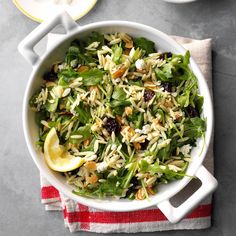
(20, 210)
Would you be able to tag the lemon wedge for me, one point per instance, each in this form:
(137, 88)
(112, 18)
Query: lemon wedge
(56, 157)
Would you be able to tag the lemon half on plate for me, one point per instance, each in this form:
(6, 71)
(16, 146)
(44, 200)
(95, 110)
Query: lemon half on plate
(56, 157)
(41, 10)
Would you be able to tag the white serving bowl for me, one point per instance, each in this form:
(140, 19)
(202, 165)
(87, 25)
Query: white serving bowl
(57, 53)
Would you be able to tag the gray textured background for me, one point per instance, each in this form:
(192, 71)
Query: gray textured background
(20, 210)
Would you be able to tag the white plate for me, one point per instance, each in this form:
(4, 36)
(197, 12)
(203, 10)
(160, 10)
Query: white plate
(179, 1)
(41, 10)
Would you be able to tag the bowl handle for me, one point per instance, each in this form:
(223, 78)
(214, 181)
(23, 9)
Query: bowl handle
(26, 47)
(175, 214)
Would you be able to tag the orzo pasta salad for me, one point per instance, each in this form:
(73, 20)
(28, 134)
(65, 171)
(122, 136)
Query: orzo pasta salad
(118, 117)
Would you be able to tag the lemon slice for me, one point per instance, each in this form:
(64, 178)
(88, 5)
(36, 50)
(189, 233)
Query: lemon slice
(56, 157)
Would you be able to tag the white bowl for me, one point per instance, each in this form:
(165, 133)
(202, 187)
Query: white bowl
(57, 52)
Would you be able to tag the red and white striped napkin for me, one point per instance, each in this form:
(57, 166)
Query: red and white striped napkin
(78, 217)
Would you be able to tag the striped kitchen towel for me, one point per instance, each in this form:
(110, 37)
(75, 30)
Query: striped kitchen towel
(78, 217)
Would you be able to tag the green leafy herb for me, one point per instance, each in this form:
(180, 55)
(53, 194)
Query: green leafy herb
(139, 123)
(72, 54)
(194, 127)
(92, 77)
(84, 114)
(51, 106)
(129, 175)
(176, 70)
(117, 103)
(143, 165)
(96, 37)
(119, 94)
(85, 131)
(66, 75)
(199, 102)
(117, 53)
(145, 44)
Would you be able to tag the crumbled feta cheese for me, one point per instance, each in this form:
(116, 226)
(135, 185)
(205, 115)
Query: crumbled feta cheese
(138, 131)
(185, 150)
(113, 146)
(147, 129)
(140, 64)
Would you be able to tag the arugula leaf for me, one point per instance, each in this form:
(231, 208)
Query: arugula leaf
(118, 110)
(137, 118)
(66, 75)
(32, 101)
(138, 54)
(90, 147)
(96, 37)
(183, 99)
(92, 77)
(78, 53)
(167, 173)
(119, 94)
(145, 44)
(155, 168)
(143, 165)
(162, 76)
(199, 102)
(52, 106)
(165, 152)
(79, 44)
(104, 189)
(139, 123)
(186, 58)
(161, 114)
(72, 54)
(117, 53)
(194, 127)
(137, 82)
(175, 70)
(85, 131)
(42, 115)
(85, 59)
(129, 175)
(84, 114)
(117, 103)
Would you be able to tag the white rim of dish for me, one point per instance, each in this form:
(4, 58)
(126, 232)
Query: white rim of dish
(39, 20)
(179, 1)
